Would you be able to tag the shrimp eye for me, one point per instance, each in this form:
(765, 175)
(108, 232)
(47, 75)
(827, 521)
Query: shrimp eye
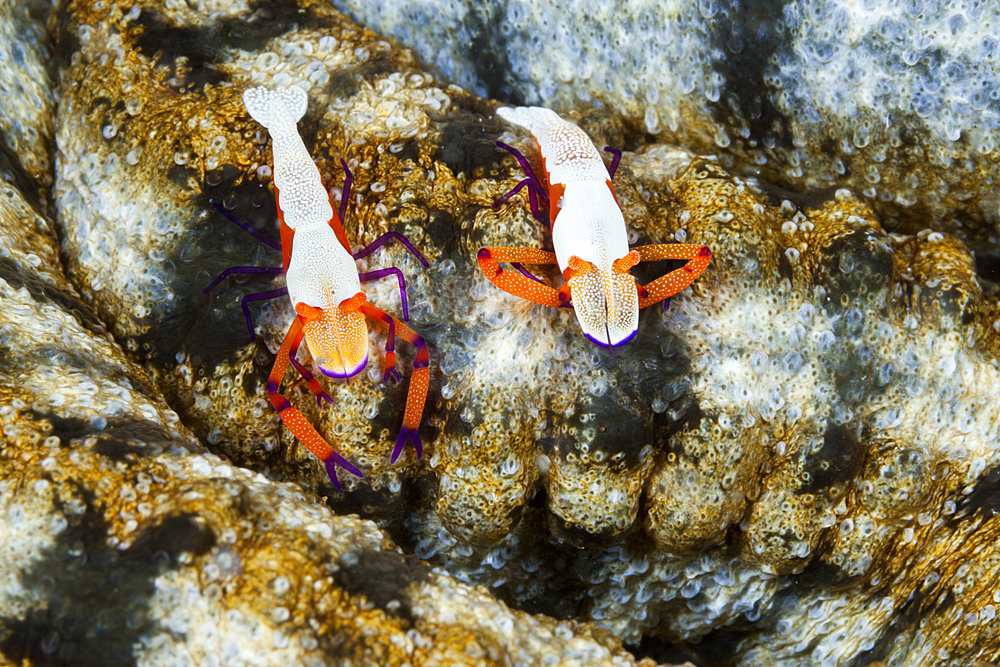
(307, 311)
(577, 267)
(627, 262)
(353, 304)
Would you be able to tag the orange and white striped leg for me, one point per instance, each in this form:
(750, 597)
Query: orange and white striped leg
(513, 282)
(698, 257)
(293, 419)
(419, 379)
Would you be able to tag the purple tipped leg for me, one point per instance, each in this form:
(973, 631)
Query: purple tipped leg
(314, 385)
(331, 471)
(247, 228)
(348, 179)
(388, 236)
(331, 468)
(536, 190)
(259, 296)
(614, 163)
(404, 435)
(382, 273)
(251, 270)
(524, 272)
(526, 166)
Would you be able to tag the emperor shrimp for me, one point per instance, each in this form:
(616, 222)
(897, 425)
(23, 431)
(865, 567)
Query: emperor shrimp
(589, 239)
(323, 283)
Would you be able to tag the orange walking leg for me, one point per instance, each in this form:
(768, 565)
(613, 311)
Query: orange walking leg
(293, 419)
(698, 257)
(513, 282)
(419, 379)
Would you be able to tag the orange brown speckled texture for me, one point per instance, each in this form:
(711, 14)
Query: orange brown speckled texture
(793, 464)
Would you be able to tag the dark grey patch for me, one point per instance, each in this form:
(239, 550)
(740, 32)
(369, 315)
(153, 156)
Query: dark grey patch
(661, 652)
(65, 41)
(192, 53)
(853, 374)
(617, 424)
(343, 84)
(582, 538)
(809, 200)
(839, 460)
(18, 276)
(379, 64)
(210, 328)
(13, 171)
(746, 46)
(118, 440)
(375, 504)
(95, 605)
(409, 152)
(855, 268)
(383, 576)
(183, 176)
(952, 304)
(824, 575)
(785, 270)
(468, 145)
(701, 169)
(123, 442)
(443, 229)
(722, 646)
(984, 501)
(487, 51)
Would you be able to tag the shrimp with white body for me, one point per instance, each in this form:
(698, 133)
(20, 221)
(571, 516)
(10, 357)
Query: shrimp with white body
(323, 282)
(588, 236)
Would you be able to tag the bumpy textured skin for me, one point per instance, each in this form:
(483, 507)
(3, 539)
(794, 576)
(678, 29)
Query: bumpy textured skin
(795, 464)
(154, 550)
(900, 103)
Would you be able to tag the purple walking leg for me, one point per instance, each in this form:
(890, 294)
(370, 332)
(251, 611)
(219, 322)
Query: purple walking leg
(536, 190)
(245, 227)
(314, 385)
(382, 240)
(252, 270)
(525, 272)
(382, 273)
(259, 296)
(614, 163)
(348, 179)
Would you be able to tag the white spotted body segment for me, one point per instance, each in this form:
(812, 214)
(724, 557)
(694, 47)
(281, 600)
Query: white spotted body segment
(587, 224)
(321, 273)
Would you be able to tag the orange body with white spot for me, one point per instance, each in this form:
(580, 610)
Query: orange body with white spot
(589, 239)
(323, 282)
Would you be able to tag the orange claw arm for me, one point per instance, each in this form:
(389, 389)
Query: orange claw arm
(513, 282)
(293, 419)
(698, 257)
(419, 379)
